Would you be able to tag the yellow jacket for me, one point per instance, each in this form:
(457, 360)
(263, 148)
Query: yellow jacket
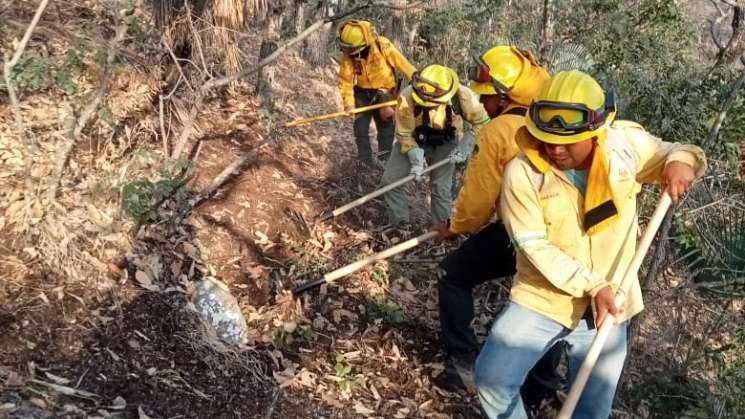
(558, 264)
(406, 119)
(495, 147)
(374, 72)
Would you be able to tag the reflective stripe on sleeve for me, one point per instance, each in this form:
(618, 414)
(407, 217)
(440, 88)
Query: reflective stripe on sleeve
(530, 238)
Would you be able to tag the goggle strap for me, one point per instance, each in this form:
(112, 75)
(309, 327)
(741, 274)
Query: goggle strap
(438, 91)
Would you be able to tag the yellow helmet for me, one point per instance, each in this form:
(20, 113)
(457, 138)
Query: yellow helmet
(352, 37)
(569, 109)
(497, 70)
(434, 85)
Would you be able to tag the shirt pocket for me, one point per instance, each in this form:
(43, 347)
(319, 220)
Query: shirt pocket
(623, 180)
(560, 215)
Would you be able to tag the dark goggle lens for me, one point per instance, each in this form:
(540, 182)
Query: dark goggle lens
(553, 116)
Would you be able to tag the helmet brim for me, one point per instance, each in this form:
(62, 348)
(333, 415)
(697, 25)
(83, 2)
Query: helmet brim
(482, 88)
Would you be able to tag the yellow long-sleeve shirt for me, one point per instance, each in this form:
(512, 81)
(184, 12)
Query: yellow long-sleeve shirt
(482, 183)
(377, 71)
(557, 262)
(471, 110)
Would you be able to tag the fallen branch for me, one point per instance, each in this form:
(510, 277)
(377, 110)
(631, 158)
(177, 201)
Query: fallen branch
(20, 126)
(88, 112)
(233, 169)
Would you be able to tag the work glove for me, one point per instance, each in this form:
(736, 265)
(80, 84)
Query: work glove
(464, 148)
(416, 158)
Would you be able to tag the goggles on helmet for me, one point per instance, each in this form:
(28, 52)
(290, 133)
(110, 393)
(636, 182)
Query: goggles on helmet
(426, 89)
(480, 74)
(586, 119)
(349, 49)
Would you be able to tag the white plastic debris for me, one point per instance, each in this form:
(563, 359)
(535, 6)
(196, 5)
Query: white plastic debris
(220, 309)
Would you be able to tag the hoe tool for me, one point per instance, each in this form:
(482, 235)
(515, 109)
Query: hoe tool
(327, 215)
(356, 266)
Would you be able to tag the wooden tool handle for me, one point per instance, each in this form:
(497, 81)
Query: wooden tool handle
(326, 215)
(597, 344)
(303, 121)
(355, 266)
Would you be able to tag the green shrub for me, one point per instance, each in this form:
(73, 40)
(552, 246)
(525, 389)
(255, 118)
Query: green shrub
(388, 311)
(32, 72)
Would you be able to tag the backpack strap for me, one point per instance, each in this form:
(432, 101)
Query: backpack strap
(385, 56)
(455, 104)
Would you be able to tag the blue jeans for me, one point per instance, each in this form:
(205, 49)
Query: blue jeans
(519, 338)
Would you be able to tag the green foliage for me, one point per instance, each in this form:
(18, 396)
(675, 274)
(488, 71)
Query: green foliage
(344, 377)
(308, 262)
(140, 197)
(158, 180)
(137, 200)
(69, 70)
(105, 114)
(388, 311)
(282, 338)
(32, 72)
(667, 397)
(674, 397)
(713, 244)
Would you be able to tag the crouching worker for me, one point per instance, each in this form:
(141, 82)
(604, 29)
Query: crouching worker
(425, 131)
(568, 202)
(507, 80)
(367, 75)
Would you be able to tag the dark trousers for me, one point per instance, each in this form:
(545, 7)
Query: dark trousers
(365, 97)
(484, 256)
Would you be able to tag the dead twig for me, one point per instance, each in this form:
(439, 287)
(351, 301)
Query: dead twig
(20, 126)
(67, 391)
(197, 38)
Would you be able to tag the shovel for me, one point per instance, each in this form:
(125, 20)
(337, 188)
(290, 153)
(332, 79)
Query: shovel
(304, 121)
(327, 215)
(356, 266)
(597, 344)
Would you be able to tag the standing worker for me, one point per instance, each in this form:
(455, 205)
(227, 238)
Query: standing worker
(425, 130)
(367, 76)
(507, 80)
(568, 202)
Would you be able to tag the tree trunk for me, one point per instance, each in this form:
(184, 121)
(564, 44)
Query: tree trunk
(742, 160)
(736, 45)
(315, 50)
(547, 28)
(397, 32)
(299, 19)
(265, 77)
